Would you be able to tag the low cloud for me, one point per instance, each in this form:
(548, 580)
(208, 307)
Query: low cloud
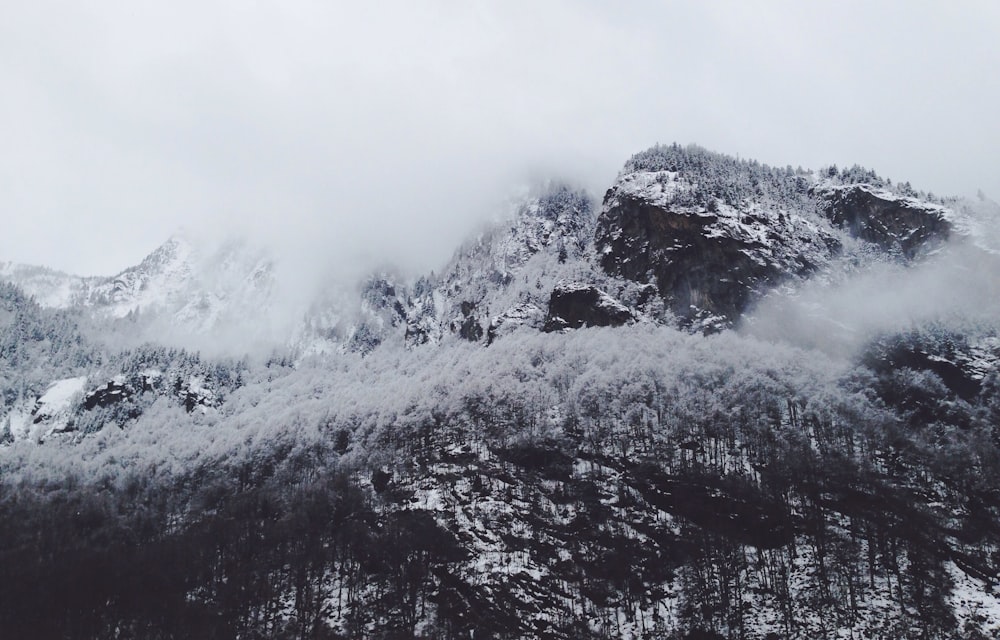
(958, 287)
(351, 134)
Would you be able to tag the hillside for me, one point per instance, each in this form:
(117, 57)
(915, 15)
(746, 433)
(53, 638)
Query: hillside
(725, 401)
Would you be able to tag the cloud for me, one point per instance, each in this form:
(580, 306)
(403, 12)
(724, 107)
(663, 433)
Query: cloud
(352, 133)
(958, 287)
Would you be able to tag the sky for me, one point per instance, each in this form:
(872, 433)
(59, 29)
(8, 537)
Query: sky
(348, 135)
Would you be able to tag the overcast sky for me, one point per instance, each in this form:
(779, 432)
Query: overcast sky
(352, 132)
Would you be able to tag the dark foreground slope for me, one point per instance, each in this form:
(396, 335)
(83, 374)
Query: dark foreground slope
(605, 483)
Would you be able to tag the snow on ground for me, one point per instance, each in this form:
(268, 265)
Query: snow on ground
(656, 187)
(59, 394)
(974, 603)
(49, 414)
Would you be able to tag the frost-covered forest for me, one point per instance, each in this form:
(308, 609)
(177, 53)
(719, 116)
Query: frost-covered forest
(636, 480)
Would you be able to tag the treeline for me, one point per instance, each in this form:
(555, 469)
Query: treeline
(719, 177)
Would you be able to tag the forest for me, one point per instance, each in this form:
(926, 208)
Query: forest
(630, 482)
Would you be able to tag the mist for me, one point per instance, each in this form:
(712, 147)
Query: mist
(346, 135)
(957, 288)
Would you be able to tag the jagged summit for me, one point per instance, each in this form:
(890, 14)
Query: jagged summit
(185, 282)
(683, 235)
(714, 233)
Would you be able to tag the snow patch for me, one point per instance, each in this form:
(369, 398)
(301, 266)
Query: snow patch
(50, 413)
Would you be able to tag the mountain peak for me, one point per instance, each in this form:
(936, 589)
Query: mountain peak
(714, 233)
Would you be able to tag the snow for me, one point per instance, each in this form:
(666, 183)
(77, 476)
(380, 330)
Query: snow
(50, 288)
(429, 500)
(656, 187)
(183, 284)
(49, 414)
(19, 424)
(607, 302)
(59, 394)
(974, 602)
(770, 234)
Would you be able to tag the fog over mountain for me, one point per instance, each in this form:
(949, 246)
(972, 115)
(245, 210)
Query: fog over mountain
(957, 288)
(725, 400)
(425, 320)
(346, 133)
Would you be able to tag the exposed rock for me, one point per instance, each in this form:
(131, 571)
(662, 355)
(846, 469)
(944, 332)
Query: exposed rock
(572, 306)
(110, 394)
(470, 328)
(713, 233)
(903, 226)
(700, 264)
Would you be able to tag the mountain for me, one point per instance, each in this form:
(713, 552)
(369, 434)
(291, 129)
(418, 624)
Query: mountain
(726, 401)
(496, 282)
(714, 233)
(184, 282)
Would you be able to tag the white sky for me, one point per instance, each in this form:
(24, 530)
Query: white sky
(349, 133)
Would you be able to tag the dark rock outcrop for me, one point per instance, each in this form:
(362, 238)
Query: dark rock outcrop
(698, 271)
(712, 242)
(110, 394)
(469, 328)
(572, 306)
(900, 226)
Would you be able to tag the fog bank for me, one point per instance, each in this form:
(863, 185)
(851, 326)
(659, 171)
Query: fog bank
(346, 134)
(958, 288)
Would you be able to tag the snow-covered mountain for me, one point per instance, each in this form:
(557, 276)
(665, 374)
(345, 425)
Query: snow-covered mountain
(683, 234)
(714, 234)
(725, 401)
(183, 282)
(683, 237)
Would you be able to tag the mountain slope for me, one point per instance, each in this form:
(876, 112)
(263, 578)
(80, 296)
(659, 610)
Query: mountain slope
(640, 419)
(181, 283)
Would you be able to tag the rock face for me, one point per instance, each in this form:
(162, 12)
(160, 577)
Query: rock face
(695, 272)
(714, 233)
(110, 394)
(469, 328)
(903, 226)
(708, 262)
(573, 306)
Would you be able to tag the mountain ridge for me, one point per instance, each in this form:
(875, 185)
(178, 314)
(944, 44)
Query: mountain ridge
(766, 227)
(666, 415)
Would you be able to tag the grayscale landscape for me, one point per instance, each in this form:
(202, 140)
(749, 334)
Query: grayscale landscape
(413, 321)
